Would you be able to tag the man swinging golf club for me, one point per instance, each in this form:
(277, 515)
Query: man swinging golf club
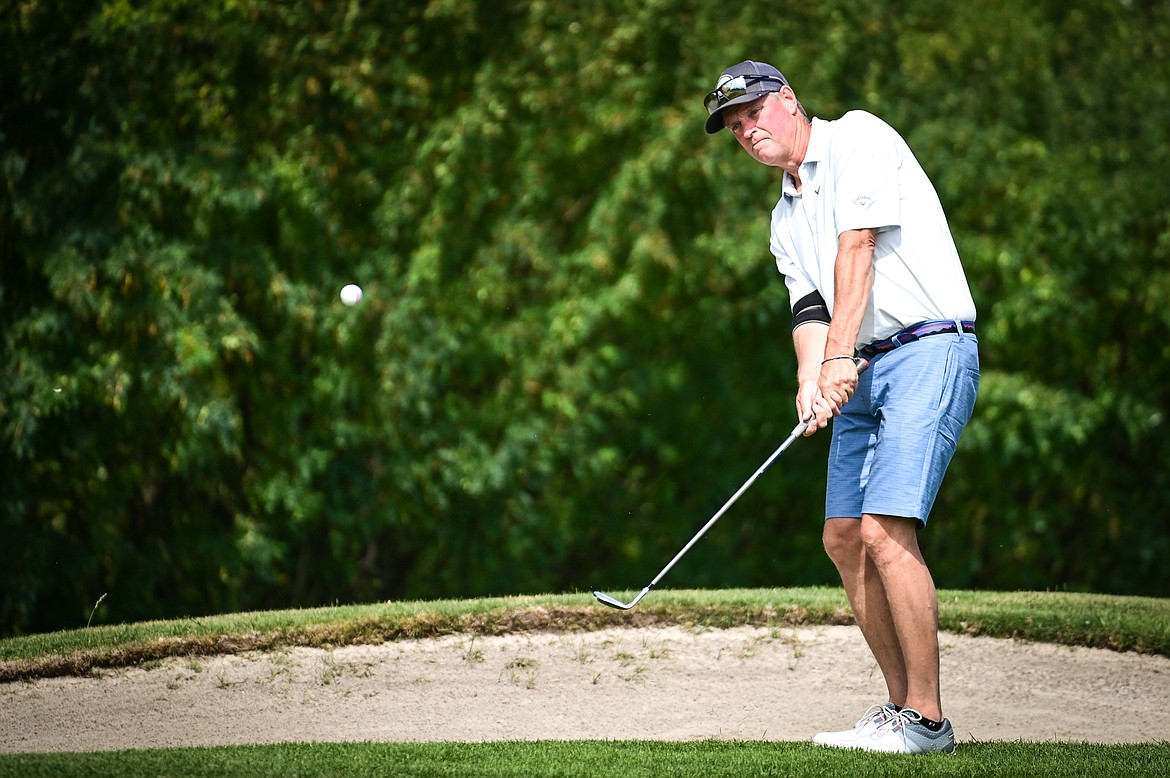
(871, 268)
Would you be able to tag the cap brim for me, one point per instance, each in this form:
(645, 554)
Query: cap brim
(715, 120)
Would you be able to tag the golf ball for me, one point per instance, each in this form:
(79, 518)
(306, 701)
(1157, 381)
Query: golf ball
(351, 294)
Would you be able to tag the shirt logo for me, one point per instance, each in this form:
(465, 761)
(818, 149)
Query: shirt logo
(862, 200)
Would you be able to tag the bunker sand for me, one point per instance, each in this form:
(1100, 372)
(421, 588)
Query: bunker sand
(748, 683)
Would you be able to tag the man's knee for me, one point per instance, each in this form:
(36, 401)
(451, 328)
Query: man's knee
(842, 539)
(886, 537)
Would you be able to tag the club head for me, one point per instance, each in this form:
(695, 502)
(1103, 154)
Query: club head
(612, 602)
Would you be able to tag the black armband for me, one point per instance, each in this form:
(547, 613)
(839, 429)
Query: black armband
(811, 307)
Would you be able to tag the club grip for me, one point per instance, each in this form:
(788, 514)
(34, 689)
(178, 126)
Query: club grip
(861, 363)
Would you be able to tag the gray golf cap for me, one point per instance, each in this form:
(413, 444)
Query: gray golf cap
(740, 84)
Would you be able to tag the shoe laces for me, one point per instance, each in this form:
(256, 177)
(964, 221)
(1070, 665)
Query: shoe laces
(879, 714)
(897, 721)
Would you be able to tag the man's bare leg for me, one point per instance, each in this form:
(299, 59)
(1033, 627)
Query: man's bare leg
(867, 598)
(911, 601)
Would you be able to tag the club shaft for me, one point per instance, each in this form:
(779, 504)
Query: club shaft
(862, 365)
(797, 431)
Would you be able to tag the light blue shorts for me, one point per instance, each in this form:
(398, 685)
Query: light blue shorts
(894, 439)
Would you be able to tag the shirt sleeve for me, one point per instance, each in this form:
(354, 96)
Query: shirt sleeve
(867, 158)
(795, 278)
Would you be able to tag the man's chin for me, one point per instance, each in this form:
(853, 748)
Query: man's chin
(763, 159)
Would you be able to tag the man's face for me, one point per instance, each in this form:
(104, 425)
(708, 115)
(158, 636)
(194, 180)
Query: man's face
(766, 128)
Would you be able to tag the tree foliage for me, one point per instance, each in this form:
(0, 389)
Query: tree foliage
(573, 345)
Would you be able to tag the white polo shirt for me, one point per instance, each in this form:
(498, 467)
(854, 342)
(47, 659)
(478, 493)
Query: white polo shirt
(859, 173)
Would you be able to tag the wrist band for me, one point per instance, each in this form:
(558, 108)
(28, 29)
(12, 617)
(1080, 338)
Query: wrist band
(830, 359)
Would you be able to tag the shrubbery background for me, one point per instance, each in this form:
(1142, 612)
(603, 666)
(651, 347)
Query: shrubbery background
(574, 345)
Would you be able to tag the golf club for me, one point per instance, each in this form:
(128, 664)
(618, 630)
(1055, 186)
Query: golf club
(797, 431)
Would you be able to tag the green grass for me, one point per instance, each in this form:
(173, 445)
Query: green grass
(1121, 623)
(624, 759)
(1140, 624)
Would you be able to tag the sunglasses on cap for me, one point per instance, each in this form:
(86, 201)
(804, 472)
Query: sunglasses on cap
(737, 87)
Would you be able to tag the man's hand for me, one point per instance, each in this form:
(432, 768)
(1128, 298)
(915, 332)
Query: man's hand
(837, 383)
(811, 407)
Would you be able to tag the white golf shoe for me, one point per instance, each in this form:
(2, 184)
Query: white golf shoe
(904, 733)
(865, 726)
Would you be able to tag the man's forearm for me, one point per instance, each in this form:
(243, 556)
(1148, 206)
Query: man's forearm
(852, 288)
(809, 342)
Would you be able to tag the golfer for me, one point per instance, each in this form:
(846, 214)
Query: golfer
(871, 269)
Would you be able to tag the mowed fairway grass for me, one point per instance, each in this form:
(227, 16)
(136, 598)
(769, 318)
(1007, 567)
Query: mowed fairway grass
(624, 759)
(1121, 623)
